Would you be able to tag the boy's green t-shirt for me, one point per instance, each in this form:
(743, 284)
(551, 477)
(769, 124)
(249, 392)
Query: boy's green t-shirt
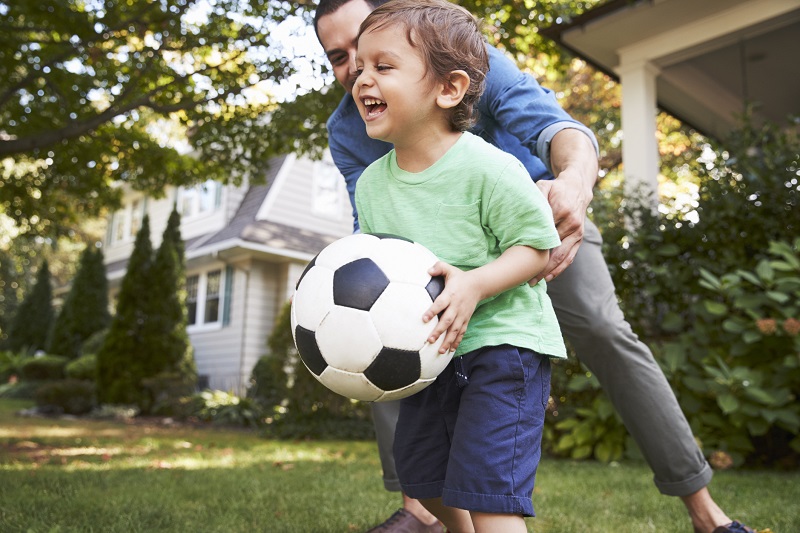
(467, 208)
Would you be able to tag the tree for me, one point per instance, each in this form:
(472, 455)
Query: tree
(34, 317)
(170, 348)
(120, 367)
(85, 309)
(86, 89)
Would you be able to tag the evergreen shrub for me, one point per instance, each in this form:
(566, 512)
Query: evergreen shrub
(84, 368)
(43, 368)
(70, 396)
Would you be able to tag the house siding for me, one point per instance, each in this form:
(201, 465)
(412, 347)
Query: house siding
(216, 350)
(292, 202)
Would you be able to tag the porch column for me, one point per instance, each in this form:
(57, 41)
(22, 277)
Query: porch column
(640, 157)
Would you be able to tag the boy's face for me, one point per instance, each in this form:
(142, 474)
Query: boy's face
(393, 94)
(337, 34)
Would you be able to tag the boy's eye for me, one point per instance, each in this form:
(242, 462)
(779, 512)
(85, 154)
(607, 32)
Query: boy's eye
(359, 71)
(383, 67)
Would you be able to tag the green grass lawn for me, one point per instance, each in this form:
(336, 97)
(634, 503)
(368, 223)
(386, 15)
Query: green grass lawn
(99, 476)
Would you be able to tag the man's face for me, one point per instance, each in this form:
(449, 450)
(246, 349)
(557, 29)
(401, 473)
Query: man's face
(337, 33)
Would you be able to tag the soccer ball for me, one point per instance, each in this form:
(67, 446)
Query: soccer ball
(357, 317)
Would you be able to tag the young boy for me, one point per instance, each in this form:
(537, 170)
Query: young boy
(467, 446)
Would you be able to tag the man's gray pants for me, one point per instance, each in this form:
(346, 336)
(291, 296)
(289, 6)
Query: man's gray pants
(590, 318)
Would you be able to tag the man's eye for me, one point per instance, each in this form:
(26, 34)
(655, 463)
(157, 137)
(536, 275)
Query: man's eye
(336, 60)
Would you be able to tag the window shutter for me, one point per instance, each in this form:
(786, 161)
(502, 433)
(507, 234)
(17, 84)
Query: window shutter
(226, 303)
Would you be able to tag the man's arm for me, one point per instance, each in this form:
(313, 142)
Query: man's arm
(573, 158)
(553, 143)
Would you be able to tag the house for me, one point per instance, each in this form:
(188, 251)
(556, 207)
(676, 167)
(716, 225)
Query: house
(246, 247)
(702, 62)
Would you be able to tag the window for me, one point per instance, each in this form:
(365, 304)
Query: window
(200, 199)
(127, 222)
(327, 191)
(203, 298)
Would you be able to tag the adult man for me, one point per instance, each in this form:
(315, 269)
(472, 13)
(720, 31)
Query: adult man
(524, 119)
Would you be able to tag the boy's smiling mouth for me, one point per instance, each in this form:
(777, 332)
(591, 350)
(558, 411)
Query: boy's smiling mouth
(373, 106)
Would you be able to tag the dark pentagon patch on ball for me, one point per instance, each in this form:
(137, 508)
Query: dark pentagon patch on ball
(359, 284)
(308, 267)
(309, 351)
(435, 287)
(394, 369)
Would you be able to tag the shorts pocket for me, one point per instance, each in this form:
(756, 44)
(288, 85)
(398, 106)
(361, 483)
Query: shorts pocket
(462, 239)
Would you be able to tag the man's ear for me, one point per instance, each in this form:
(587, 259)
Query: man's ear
(452, 91)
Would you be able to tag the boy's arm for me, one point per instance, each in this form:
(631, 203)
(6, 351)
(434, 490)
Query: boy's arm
(464, 290)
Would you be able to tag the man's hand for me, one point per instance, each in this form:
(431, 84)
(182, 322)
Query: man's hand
(574, 163)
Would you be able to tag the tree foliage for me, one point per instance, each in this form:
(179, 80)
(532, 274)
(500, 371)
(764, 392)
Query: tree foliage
(85, 309)
(120, 361)
(34, 317)
(170, 351)
(86, 89)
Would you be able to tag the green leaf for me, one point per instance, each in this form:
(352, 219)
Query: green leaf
(749, 276)
(710, 278)
(790, 418)
(779, 297)
(728, 403)
(757, 427)
(733, 325)
(772, 397)
(695, 384)
(715, 308)
(764, 271)
(582, 452)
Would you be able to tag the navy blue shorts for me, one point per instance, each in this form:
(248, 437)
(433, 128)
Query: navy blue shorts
(474, 436)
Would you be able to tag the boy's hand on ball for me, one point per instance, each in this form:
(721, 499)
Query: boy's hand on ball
(456, 303)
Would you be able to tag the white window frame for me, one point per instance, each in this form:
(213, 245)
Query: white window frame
(190, 200)
(202, 297)
(327, 189)
(122, 221)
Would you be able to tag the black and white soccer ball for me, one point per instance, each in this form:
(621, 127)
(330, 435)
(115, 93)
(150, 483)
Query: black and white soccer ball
(357, 317)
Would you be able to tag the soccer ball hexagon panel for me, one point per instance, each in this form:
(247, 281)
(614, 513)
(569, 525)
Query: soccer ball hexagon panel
(357, 317)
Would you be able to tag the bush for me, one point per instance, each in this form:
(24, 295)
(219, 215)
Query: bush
(84, 367)
(94, 342)
(71, 396)
(43, 368)
(21, 390)
(268, 384)
(698, 280)
(11, 364)
(163, 392)
(225, 408)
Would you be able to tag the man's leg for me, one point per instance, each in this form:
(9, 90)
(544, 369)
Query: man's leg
(586, 305)
(384, 417)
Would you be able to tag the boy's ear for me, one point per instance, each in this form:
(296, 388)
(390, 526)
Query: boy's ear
(452, 91)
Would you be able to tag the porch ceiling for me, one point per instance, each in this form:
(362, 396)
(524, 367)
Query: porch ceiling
(713, 56)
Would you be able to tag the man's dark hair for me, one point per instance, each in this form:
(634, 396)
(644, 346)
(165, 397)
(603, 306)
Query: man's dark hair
(326, 7)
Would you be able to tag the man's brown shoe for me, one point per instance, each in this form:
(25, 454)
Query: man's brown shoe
(404, 522)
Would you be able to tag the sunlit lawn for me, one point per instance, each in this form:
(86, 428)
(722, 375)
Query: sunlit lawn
(91, 476)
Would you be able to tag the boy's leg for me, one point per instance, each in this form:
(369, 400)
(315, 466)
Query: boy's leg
(456, 520)
(589, 315)
(493, 406)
